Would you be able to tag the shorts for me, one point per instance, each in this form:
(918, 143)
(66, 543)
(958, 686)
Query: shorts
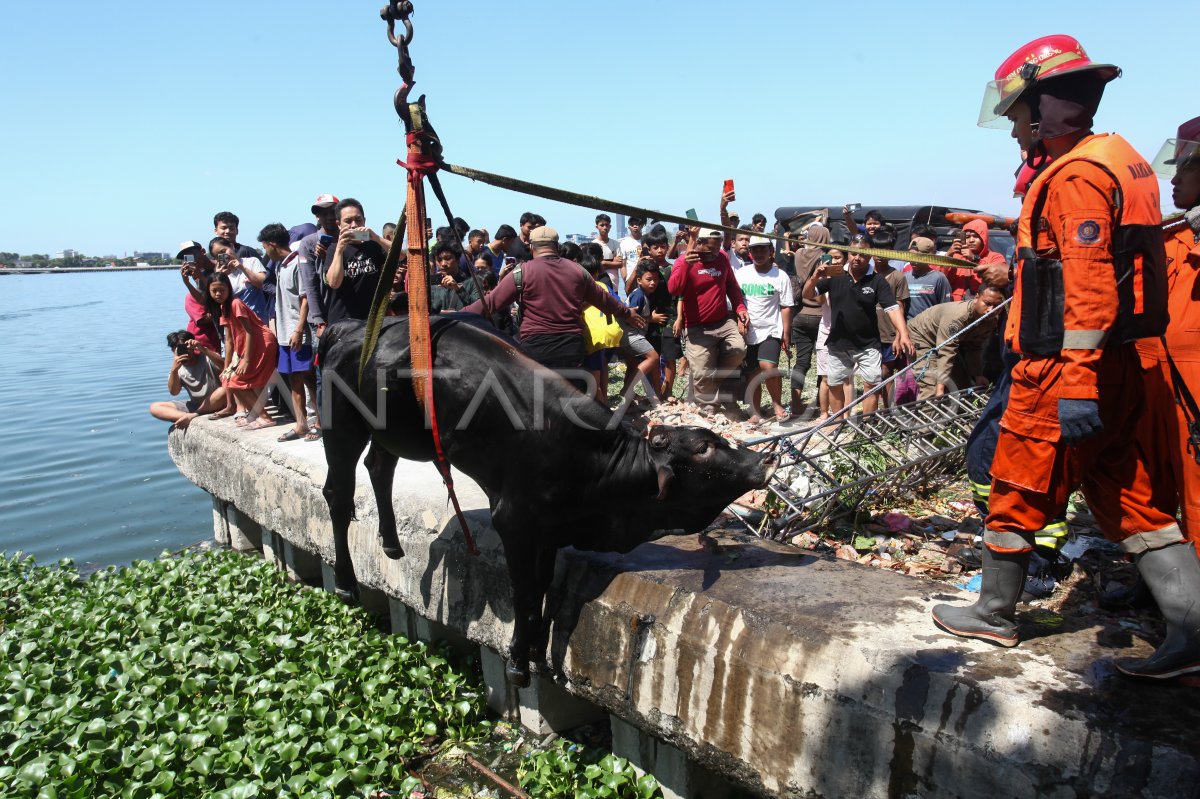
(843, 364)
(597, 361)
(667, 346)
(822, 362)
(295, 361)
(888, 355)
(765, 351)
(187, 406)
(634, 344)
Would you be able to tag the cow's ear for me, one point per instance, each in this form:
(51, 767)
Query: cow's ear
(660, 440)
(665, 476)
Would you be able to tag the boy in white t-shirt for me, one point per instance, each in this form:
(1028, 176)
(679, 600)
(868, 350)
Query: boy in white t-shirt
(631, 252)
(768, 293)
(612, 262)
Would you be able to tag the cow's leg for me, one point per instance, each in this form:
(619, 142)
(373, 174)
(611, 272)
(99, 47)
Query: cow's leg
(539, 624)
(344, 443)
(381, 465)
(522, 573)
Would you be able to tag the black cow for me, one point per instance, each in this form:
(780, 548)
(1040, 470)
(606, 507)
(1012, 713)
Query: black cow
(556, 470)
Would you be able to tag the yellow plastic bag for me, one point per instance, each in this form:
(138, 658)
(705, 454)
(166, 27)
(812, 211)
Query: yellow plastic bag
(599, 332)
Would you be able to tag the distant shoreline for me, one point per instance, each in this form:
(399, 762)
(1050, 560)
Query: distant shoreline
(66, 269)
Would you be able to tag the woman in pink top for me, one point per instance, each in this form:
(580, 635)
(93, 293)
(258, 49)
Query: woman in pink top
(251, 353)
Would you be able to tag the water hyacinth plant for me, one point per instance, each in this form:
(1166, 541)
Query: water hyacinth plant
(212, 675)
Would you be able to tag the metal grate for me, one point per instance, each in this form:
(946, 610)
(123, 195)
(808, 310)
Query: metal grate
(830, 471)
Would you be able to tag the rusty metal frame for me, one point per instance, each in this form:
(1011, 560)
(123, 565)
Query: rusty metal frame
(870, 458)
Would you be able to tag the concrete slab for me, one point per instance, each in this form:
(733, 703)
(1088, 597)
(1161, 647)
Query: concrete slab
(785, 673)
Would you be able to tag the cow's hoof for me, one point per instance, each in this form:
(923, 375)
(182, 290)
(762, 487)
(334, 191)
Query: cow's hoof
(517, 675)
(394, 552)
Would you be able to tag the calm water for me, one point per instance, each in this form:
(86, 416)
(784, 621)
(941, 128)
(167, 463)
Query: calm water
(84, 471)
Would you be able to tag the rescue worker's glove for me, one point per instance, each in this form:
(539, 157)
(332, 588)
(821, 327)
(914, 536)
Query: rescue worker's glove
(1078, 419)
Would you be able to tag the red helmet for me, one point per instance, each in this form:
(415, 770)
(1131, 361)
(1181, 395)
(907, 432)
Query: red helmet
(1183, 150)
(1048, 57)
(1027, 173)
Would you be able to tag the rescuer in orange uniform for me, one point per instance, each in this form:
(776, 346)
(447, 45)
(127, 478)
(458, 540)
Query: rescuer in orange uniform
(1165, 429)
(1090, 281)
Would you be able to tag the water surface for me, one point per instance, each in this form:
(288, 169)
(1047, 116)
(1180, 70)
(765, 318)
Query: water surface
(84, 470)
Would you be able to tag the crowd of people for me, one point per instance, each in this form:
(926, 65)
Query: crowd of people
(1093, 368)
(685, 310)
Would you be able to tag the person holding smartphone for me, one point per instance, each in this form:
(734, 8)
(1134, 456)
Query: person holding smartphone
(195, 273)
(194, 369)
(246, 274)
(357, 261)
(312, 256)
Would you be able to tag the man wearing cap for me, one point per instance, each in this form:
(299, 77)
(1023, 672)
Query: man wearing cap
(312, 256)
(552, 293)
(768, 295)
(1090, 281)
(200, 321)
(1164, 430)
(707, 287)
(926, 286)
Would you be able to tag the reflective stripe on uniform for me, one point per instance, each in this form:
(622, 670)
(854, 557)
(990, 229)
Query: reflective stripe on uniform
(1155, 539)
(1007, 542)
(981, 491)
(1052, 536)
(1084, 339)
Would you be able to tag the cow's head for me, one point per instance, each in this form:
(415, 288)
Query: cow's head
(699, 474)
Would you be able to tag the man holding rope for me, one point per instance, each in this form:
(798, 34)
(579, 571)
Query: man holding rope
(1090, 282)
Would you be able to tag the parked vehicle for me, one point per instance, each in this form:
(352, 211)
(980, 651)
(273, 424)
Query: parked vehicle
(944, 219)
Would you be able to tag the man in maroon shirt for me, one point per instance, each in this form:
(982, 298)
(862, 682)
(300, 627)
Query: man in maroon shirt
(554, 291)
(703, 279)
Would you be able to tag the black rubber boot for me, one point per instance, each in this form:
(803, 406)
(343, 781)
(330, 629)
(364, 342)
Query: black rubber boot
(993, 618)
(1173, 576)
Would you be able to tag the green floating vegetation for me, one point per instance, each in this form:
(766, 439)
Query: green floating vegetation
(567, 769)
(212, 675)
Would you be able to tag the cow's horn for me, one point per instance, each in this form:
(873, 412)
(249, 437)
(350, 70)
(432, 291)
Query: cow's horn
(665, 476)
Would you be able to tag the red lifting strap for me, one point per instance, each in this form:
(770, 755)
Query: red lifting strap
(419, 165)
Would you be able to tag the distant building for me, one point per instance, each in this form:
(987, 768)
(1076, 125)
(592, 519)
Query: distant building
(66, 254)
(151, 256)
(622, 231)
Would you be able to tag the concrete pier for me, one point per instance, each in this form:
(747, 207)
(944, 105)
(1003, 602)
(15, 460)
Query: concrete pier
(756, 666)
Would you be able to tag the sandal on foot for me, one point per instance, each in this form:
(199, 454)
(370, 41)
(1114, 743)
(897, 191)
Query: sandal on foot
(260, 424)
(221, 414)
(291, 435)
(313, 435)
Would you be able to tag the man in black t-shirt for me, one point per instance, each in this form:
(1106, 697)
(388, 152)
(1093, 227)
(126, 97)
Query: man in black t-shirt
(354, 269)
(853, 342)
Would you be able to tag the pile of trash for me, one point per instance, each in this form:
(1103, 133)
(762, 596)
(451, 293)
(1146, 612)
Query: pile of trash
(675, 411)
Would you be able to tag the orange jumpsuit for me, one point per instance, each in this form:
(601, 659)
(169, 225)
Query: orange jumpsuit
(1073, 322)
(1162, 430)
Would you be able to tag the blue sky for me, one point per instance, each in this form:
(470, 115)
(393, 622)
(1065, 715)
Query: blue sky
(129, 124)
